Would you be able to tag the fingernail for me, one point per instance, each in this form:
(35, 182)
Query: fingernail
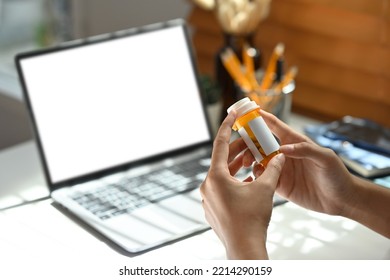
(280, 157)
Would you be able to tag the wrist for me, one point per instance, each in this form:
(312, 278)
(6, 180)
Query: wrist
(244, 248)
(352, 208)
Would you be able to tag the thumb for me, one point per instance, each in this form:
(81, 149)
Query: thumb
(273, 170)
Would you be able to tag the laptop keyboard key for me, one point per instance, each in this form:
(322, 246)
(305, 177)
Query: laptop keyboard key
(132, 193)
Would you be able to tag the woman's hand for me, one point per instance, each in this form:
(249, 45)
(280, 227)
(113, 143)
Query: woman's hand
(313, 177)
(239, 211)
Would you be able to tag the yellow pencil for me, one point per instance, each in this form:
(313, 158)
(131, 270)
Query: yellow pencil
(233, 66)
(270, 71)
(247, 58)
(288, 78)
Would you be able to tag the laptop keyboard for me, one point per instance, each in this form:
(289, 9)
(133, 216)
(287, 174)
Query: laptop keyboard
(131, 193)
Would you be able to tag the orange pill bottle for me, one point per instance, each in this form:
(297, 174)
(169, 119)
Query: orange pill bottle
(254, 131)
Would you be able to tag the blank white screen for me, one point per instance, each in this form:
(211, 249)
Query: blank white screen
(113, 102)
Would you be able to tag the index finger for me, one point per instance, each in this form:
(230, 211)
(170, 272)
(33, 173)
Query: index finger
(220, 152)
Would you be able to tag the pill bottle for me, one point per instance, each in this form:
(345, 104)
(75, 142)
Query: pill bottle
(254, 131)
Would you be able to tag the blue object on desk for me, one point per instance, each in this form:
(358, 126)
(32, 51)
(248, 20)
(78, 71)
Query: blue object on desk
(364, 162)
(384, 181)
(362, 133)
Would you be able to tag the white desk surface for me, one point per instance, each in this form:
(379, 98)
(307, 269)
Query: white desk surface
(39, 230)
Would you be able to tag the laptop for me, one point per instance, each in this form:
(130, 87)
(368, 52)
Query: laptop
(122, 132)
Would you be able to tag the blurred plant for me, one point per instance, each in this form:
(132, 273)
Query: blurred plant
(210, 89)
(237, 16)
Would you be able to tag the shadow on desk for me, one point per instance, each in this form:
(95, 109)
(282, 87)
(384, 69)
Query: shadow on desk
(296, 233)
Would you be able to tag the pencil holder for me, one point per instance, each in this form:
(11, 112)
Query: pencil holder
(277, 102)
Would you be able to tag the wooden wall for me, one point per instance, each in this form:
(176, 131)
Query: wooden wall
(341, 47)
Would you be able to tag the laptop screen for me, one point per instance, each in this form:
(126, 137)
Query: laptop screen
(107, 103)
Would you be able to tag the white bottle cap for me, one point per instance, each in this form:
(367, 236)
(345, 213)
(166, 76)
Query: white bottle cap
(243, 106)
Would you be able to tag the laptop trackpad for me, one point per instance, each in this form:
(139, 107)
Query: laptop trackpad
(156, 223)
(177, 214)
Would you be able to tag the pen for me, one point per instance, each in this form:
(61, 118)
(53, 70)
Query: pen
(279, 69)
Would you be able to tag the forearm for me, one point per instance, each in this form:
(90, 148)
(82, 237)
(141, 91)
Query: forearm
(370, 206)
